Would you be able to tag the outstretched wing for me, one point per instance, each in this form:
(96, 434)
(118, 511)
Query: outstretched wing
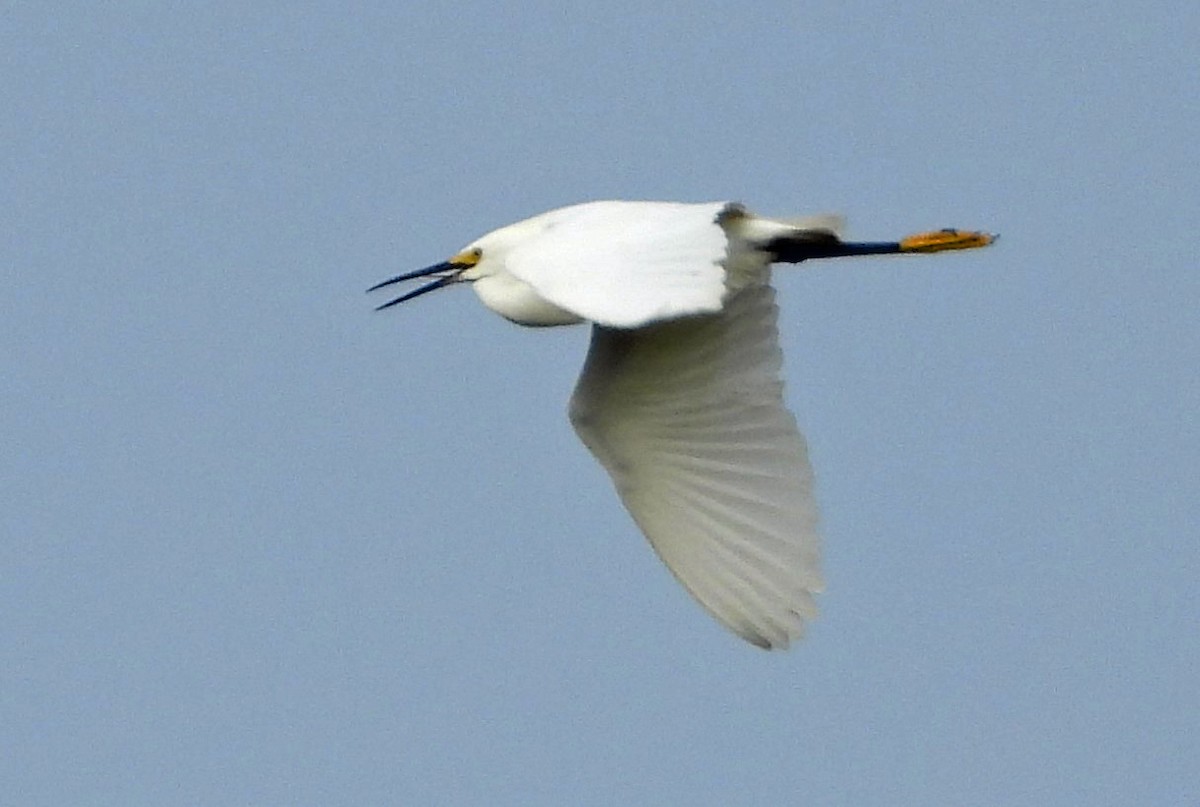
(688, 419)
(627, 264)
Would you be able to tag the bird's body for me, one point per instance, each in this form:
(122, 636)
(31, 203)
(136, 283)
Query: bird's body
(681, 398)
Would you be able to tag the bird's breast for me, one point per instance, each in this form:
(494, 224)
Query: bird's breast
(515, 300)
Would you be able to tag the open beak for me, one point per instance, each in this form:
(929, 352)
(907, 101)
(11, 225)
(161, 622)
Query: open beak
(445, 273)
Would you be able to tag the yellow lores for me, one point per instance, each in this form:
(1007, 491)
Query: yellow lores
(681, 398)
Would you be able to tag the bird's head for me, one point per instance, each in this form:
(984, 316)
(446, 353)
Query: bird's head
(482, 259)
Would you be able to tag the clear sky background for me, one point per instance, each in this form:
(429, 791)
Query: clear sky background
(263, 546)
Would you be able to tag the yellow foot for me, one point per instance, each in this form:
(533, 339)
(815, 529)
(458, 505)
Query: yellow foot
(941, 240)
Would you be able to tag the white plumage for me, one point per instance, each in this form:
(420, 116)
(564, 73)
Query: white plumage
(688, 419)
(680, 398)
(644, 261)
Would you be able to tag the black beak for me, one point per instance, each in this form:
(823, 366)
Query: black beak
(446, 272)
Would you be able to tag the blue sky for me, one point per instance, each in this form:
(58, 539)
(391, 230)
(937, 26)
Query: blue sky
(261, 545)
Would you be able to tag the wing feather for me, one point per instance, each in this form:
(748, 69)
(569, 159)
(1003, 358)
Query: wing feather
(688, 418)
(632, 263)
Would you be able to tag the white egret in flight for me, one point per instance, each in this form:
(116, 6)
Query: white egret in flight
(681, 398)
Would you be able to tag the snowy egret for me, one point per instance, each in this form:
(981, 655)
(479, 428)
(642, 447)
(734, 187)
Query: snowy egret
(681, 398)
